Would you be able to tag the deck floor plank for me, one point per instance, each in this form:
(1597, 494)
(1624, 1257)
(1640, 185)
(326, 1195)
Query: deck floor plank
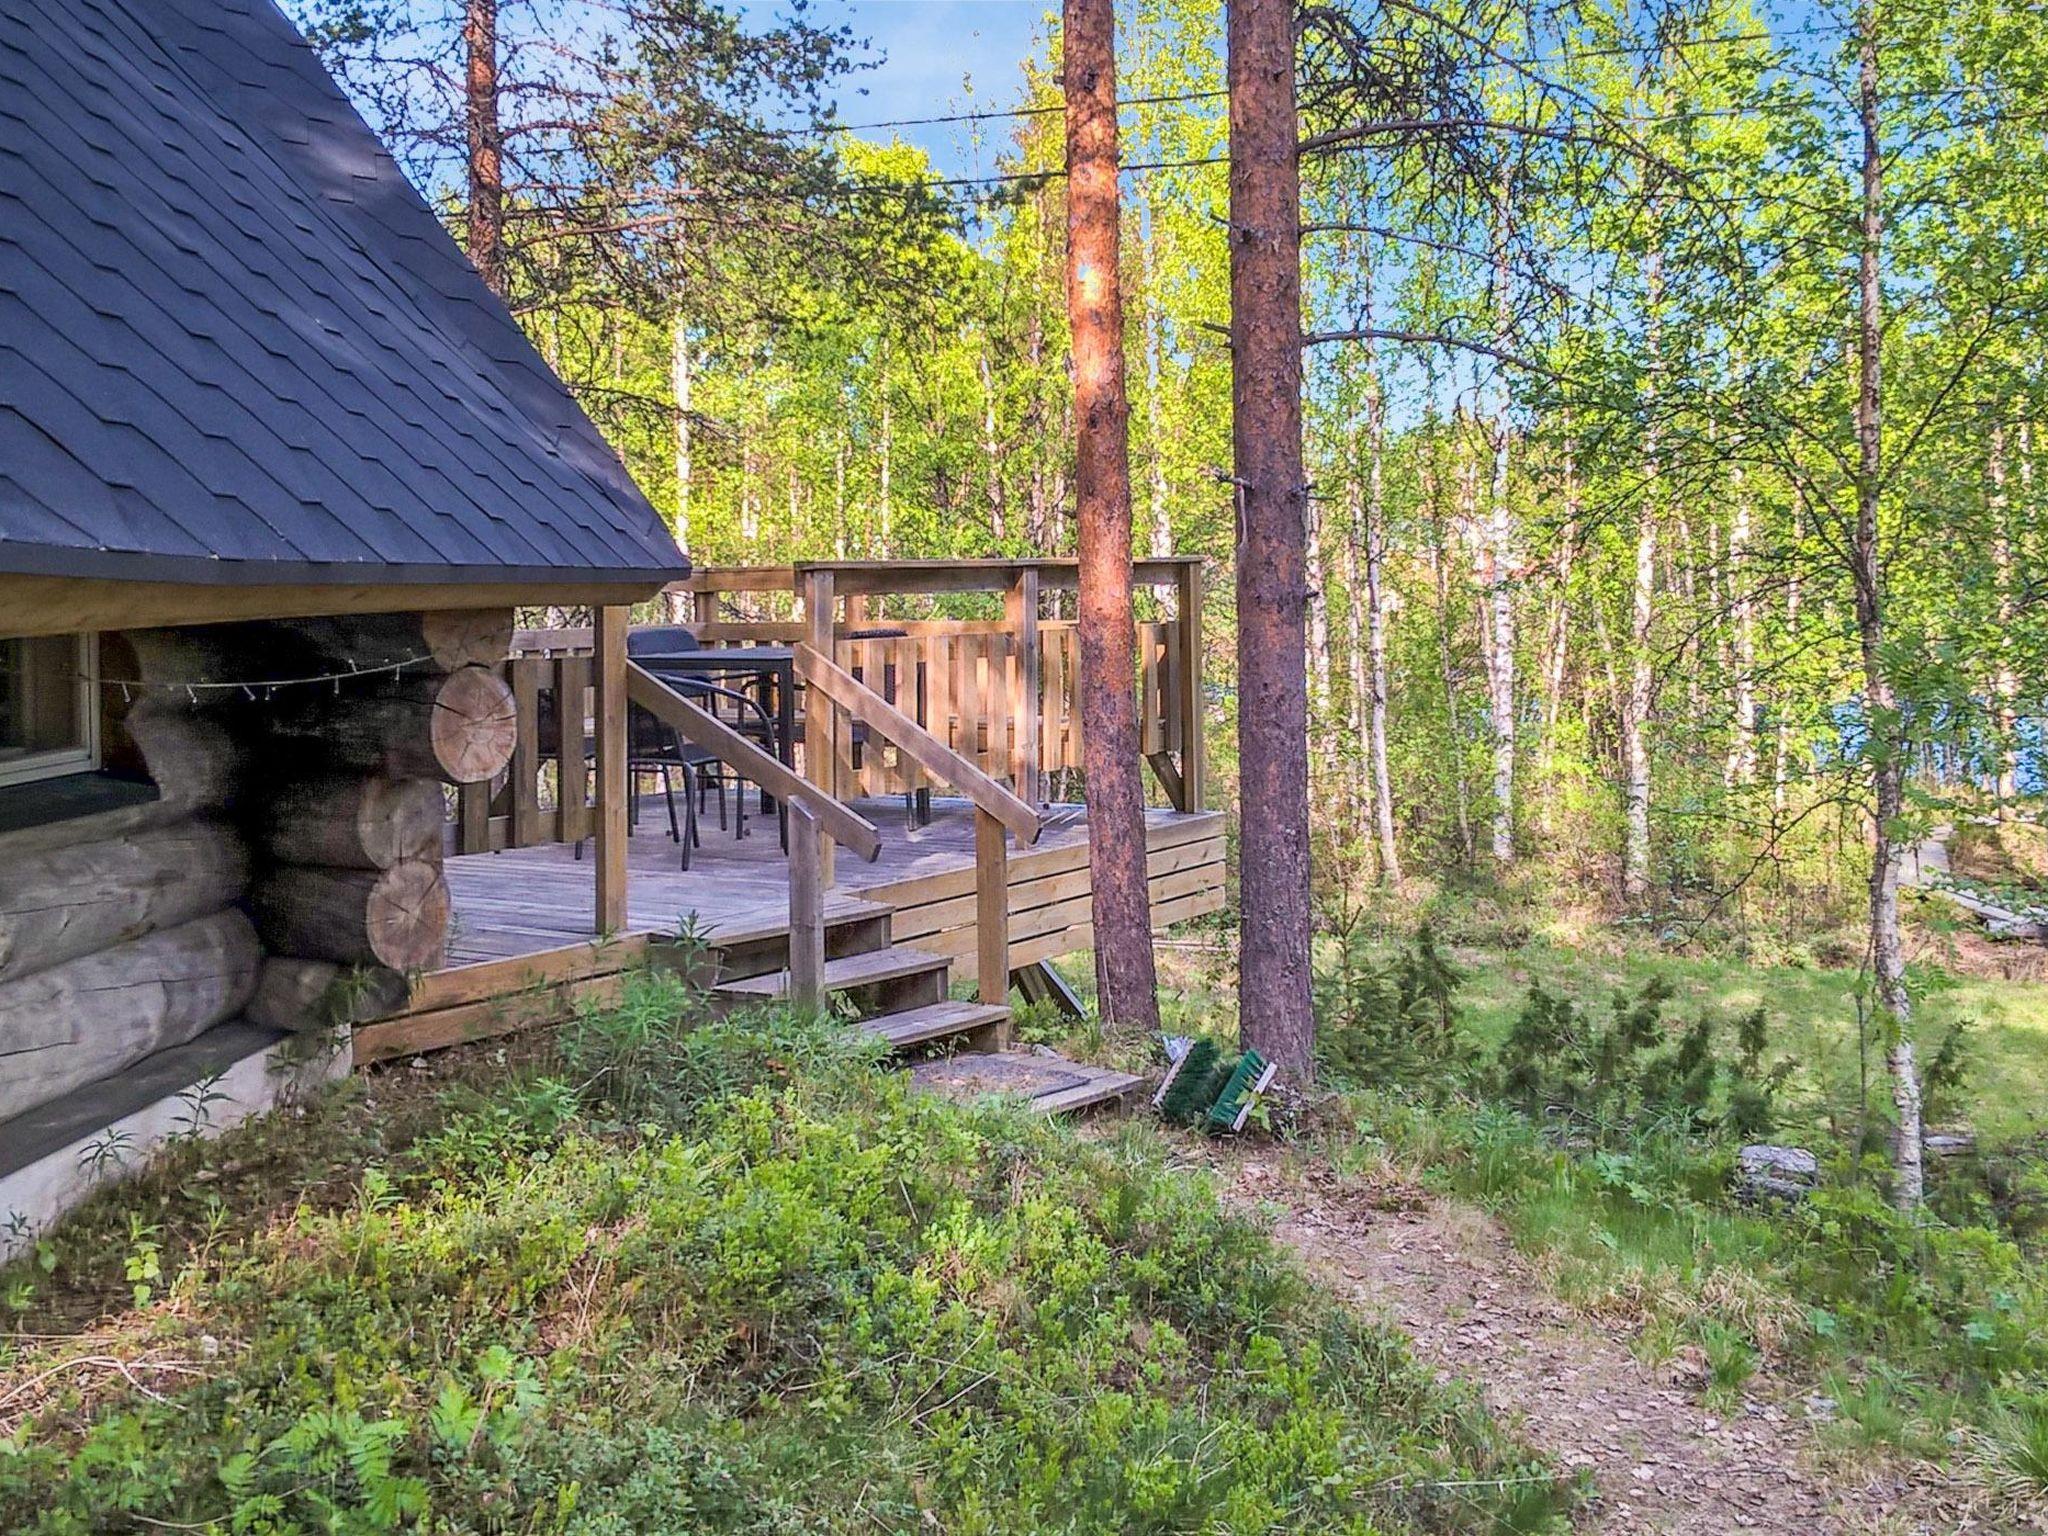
(526, 899)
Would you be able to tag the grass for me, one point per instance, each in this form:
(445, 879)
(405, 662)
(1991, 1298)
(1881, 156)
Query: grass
(683, 1276)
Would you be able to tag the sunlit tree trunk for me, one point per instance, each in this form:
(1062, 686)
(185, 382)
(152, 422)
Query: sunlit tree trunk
(1318, 620)
(1742, 614)
(2004, 685)
(1127, 991)
(991, 453)
(679, 381)
(1155, 382)
(1500, 649)
(1440, 573)
(1271, 487)
(486, 143)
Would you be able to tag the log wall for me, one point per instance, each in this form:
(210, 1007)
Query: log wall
(288, 871)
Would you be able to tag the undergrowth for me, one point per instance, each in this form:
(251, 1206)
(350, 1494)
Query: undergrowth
(1604, 1133)
(723, 1278)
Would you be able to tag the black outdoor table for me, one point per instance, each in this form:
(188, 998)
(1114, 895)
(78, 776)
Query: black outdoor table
(766, 667)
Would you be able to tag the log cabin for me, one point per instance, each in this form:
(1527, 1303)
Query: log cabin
(310, 568)
(275, 470)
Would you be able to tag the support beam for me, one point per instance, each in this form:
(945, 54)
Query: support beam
(820, 751)
(1020, 610)
(806, 909)
(609, 666)
(991, 907)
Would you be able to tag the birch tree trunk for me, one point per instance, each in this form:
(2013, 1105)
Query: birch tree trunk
(1266, 439)
(1742, 611)
(2004, 685)
(1376, 621)
(1642, 677)
(1318, 618)
(1127, 990)
(1886, 745)
(679, 381)
(1500, 604)
(1155, 378)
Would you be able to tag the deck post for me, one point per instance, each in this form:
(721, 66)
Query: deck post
(609, 668)
(1021, 610)
(1188, 687)
(807, 840)
(819, 714)
(991, 908)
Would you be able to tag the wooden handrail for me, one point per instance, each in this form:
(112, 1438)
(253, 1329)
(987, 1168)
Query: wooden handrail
(697, 727)
(930, 754)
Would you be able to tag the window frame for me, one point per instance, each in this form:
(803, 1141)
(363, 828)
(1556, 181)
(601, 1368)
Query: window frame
(83, 757)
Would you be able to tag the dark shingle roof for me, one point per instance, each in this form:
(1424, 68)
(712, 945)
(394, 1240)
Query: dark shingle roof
(235, 345)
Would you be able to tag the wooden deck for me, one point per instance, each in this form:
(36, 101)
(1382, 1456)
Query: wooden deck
(524, 952)
(527, 900)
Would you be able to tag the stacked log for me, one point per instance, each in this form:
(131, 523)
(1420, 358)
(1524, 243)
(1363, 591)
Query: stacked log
(396, 917)
(458, 727)
(352, 838)
(58, 905)
(354, 823)
(312, 995)
(136, 929)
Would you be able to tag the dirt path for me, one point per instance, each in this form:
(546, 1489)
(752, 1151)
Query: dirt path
(1661, 1461)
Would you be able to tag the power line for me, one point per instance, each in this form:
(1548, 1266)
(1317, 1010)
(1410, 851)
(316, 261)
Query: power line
(1176, 98)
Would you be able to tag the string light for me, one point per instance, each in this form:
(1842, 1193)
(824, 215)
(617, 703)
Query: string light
(250, 685)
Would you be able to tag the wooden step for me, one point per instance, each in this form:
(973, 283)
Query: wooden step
(935, 1021)
(762, 947)
(868, 969)
(1050, 1084)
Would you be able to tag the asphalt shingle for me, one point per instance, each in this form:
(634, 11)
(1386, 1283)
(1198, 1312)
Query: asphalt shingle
(236, 345)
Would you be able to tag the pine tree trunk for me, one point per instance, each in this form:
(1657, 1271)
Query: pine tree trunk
(1266, 431)
(486, 144)
(1887, 746)
(1127, 991)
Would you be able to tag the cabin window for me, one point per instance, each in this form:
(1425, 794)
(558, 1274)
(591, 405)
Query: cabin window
(48, 722)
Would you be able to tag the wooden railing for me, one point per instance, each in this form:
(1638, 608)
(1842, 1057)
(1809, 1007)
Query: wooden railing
(896, 703)
(1002, 693)
(997, 812)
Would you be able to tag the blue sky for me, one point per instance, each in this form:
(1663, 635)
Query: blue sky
(937, 57)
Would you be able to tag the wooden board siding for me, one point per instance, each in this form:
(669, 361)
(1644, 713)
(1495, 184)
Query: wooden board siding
(1050, 894)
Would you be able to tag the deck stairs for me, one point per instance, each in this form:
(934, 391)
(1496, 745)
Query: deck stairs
(902, 995)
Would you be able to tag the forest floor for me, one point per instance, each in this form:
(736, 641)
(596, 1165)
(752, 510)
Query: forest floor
(1660, 1458)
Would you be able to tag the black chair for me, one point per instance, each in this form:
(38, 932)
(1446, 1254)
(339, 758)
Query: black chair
(744, 715)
